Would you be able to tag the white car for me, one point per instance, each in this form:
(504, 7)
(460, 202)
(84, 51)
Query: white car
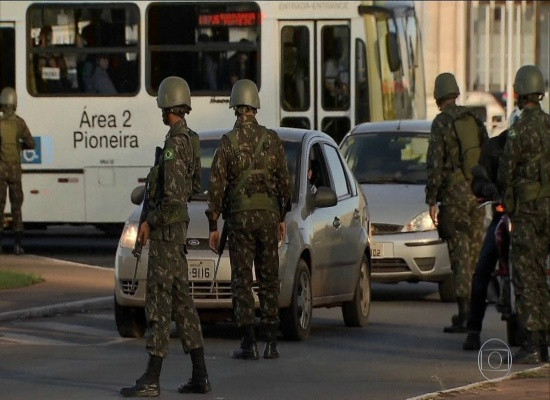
(324, 259)
(388, 160)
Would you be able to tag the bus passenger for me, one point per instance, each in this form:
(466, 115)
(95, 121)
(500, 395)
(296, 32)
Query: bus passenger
(99, 80)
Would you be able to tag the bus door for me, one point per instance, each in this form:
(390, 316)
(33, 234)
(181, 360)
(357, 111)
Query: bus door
(7, 50)
(315, 76)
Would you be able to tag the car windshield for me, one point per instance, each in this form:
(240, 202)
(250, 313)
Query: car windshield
(208, 148)
(396, 157)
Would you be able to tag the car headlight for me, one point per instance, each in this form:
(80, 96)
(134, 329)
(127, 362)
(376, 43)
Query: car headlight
(129, 235)
(422, 222)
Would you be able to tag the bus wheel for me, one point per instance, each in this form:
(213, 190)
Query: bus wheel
(130, 321)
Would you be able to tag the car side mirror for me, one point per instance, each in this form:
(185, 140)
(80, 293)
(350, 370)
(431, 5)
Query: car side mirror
(137, 195)
(392, 46)
(325, 197)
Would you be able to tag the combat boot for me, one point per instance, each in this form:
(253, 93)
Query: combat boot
(17, 247)
(199, 382)
(248, 349)
(543, 344)
(472, 341)
(529, 351)
(459, 320)
(148, 384)
(270, 350)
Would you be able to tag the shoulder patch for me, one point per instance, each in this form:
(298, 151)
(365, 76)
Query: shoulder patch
(511, 132)
(168, 154)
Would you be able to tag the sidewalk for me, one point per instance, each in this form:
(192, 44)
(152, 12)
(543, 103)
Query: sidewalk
(68, 287)
(73, 287)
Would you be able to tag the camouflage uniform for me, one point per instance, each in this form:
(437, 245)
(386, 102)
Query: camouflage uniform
(171, 185)
(252, 235)
(449, 187)
(525, 172)
(14, 136)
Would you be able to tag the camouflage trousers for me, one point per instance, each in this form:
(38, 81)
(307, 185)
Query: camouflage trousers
(465, 244)
(10, 179)
(529, 252)
(167, 298)
(252, 241)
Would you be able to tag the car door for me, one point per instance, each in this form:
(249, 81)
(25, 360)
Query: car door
(320, 222)
(346, 222)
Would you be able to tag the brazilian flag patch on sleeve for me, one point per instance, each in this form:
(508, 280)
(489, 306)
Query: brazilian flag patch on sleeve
(168, 154)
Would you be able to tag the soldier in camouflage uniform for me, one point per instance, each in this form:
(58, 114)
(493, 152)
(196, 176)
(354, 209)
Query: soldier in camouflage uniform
(524, 173)
(14, 136)
(170, 185)
(250, 184)
(459, 215)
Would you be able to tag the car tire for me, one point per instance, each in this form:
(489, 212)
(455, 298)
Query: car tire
(296, 319)
(447, 291)
(130, 321)
(356, 311)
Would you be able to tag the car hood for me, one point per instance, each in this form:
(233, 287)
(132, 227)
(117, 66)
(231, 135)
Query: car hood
(394, 204)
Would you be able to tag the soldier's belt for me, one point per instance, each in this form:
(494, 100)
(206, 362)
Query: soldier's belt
(258, 201)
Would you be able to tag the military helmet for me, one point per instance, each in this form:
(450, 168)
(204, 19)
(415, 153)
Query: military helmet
(244, 93)
(8, 97)
(445, 85)
(173, 91)
(529, 80)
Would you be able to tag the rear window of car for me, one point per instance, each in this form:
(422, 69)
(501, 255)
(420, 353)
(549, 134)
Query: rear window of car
(208, 148)
(387, 158)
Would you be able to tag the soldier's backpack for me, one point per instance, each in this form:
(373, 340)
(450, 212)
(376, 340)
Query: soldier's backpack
(470, 138)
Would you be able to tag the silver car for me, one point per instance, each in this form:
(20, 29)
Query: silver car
(324, 259)
(389, 161)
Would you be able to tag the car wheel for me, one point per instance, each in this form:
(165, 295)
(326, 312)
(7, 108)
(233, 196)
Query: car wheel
(356, 312)
(296, 319)
(130, 321)
(447, 291)
(514, 332)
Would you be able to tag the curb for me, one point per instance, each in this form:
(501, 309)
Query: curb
(60, 308)
(433, 395)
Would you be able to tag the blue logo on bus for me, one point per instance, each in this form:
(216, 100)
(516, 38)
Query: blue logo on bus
(33, 156)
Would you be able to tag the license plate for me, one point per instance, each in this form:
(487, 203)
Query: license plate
(200, 270)
(377, 250)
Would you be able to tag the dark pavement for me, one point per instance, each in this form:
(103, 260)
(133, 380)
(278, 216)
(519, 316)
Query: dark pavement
(72, 287)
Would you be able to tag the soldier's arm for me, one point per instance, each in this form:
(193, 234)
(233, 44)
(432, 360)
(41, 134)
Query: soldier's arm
(197, 172)
(26, 137)
(175, 184)
(508, 161)
(218, 180)
(434, 163)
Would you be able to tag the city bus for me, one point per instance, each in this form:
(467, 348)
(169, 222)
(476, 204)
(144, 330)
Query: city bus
(87, 73)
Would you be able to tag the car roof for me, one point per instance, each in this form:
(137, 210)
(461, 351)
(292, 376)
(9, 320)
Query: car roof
(286, 134)
(405, 125)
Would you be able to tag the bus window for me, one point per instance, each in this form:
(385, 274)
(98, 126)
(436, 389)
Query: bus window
(83, 49)
(296, 122)
(362, 104)
(336, 127)
(336, 67)
(295, 68)
(7, 60)
(416, 65)
(210, 45)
